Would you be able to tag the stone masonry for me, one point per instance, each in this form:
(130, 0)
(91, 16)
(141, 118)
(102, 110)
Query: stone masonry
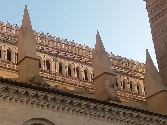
(74, 56)
(50, 95)
(157, 12)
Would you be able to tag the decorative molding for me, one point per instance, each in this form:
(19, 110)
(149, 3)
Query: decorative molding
(74, 105)
(71, 54)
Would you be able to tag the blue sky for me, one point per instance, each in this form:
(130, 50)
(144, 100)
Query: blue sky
(123, 24)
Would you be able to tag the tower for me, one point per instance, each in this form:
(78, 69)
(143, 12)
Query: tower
(157, 13)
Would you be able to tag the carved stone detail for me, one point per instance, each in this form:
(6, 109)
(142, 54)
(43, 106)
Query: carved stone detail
(70, 54)
(73, 106)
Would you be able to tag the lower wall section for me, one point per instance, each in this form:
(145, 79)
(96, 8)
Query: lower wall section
(17, 114)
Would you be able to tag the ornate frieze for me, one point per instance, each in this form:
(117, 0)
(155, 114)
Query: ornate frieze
(71, 55)
(71, 104)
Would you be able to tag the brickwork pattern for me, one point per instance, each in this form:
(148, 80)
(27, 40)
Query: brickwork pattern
(157, 11)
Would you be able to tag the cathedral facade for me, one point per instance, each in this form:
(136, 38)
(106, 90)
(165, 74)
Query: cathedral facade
(73, 66)
(46, 80)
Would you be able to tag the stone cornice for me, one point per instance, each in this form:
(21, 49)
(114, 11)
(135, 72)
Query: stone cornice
(130, 96)
(51, 99)
(70, 81)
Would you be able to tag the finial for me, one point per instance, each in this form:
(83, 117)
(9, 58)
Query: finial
(147, 51)
(97, 32)
(26, 18)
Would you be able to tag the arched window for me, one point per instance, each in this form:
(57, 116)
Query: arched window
(138, 88)
(86, 75)
(123, 84)
(77, 71)
(131, 86)
(47, 65)
(38, 121)
(69, 71)
(9, 55)
(39, 63)
(0, 53)
(60, 68)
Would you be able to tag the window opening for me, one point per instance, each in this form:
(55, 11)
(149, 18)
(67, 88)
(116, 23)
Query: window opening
(86, 75)
(60, 68)
(69, 71)
(9, 55)
(47, 65)
(77, 70)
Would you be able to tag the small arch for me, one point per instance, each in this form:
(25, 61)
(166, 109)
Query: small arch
(138, 88)
(9, 55)
(47, 65)
(60, 68)
(131, 86)
(0, 52)
(123, 84)
(86, 74)
(77, 72)
(40, 60)
(38, 121)
(69, 71)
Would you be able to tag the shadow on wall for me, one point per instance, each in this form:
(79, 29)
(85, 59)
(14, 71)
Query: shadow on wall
(38, 121)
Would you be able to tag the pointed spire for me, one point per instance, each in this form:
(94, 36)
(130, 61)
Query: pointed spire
(104, 76)
(99, 45)
(152, 77)
(28, 62)
(150, 68)
(26, 19)
(26, 39)
(101, 63)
